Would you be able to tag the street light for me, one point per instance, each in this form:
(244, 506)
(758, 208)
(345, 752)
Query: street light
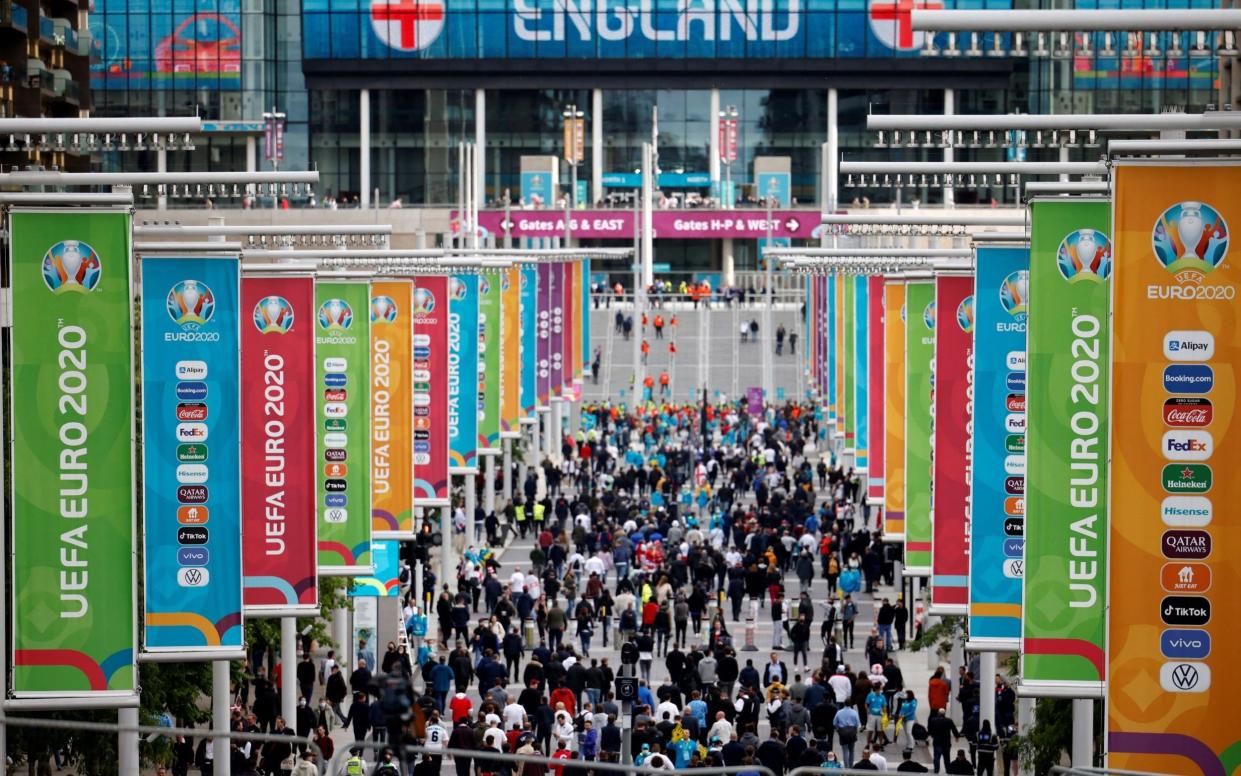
(273, 143)
(574, 151)
(728, 150)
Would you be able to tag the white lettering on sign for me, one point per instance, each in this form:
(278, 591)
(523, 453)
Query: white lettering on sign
(707, 20)
(74, 479)
(274, 454)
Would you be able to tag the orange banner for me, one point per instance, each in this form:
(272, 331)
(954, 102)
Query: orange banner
(510, 350)
(1173, 635)
(392, 463)
(893, 411)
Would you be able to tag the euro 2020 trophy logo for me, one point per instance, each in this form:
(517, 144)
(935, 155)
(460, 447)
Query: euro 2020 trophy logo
(190, 303)
(965, 314)
(424, 301)
(383, 310)
(1014, 291)
(273, 315)
(1190, 240)
(1085, 254)
(335, 315)
(71, 265)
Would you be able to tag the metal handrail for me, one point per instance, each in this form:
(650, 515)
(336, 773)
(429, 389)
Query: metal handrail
(108, 727)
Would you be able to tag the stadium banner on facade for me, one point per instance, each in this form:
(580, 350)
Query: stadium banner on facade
(510, 349)
(74, 632)
(848, 364)
(342, 362)
(490, 341)
(279, 560)
(463, 374)
(1173, 637)
(431, 390)
(830, 351)
(391, 386)
(861, 373)
(556, 330)
(997, 519)
(190, 327)
(386, 555)
(919, 424)
(877, 315)
(543, 354)
(894, 410)
(953, 453)
(1065, 487)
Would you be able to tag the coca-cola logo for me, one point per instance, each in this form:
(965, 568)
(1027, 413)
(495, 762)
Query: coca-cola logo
(1188, 412)
(191, 411)
(1015, 402)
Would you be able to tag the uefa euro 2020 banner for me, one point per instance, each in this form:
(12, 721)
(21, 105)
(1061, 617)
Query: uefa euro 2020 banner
(1173, 635)
(556, 329)
(848, 367)
(893, 427)
(342, 362)
(490, 340)
(543, 357)
(950, 521)
(510, 349)
(997, 528)
(861, 375)
(279, 560)
(530, 342)
(919, 424)
(875, 403)
(568, 359)
(386, 555)
(1065, 486)
(430, 390)
(191, 473)
(463, 373)
(74, 631)
(832, 351)
(391, 389)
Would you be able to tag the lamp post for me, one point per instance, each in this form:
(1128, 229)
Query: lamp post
(770, 338)
(728, 150)
(273, 145)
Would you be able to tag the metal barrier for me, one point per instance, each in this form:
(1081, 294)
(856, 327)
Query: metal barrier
(108, 727)
(594, 765)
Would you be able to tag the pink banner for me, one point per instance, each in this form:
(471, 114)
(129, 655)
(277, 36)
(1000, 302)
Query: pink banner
(875, 402)
(954, 348)
(430, 321)
(278, 514)
(680, 224)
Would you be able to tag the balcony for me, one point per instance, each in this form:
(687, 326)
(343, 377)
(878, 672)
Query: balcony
(13, 16)
(64, 35)
(65, 88)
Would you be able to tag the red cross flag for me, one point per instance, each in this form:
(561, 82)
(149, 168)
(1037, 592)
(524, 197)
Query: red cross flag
(407, 25)
(892, 22)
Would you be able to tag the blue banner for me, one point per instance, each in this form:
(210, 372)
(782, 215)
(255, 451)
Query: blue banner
(191, 454)
(386, 555)
(463, 374)
(529, 339)
(998, 517)
(831, 352)
(860, 406)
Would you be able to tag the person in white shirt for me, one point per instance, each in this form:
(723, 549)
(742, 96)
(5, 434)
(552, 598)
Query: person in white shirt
(666, 710)
(721, 729)
(841, 685)
(878, 760)
(514, 714)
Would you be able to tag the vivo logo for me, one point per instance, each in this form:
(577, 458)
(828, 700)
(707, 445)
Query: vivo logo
(1186, 511)
(1185, 644)
(1187, 445)
(1188, 345)
(193, 556)
(191, 370)
(335, 499)
(1014, 548)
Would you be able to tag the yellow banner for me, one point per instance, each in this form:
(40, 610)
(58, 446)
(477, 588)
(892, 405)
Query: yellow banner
(1173, 635)
(510, 347)
(893, 411)
(392, 463)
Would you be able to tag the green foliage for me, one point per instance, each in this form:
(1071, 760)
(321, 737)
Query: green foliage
(942, 635)
(1049, 737)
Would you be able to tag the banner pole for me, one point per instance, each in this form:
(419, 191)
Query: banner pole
(288, 671)
(489, 484)
(1083, 733)
(445, 551)
(470, 481)
(508, 471)
(127, 743)
(986, 679)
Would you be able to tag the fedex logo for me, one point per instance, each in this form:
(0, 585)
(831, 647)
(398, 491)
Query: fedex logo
(1187, 445)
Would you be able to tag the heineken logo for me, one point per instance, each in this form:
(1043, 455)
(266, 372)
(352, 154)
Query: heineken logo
(1187, 478)
(1015, 443)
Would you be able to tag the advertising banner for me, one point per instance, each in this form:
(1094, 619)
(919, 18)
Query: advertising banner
(463, 374)
(556, 329)
(342, 363)
(583, 337)
(543, 356)
(876, 313)
(510, 349)
(848, 364)
(391, 386)
(953, 451)
(861, 373)
(830, 350)
(490, 342)
(919, 424)
(1173, 635)
(529, 336)
(74, 631)
(679, 224)
(431, 391)
(386, 555)
(191, 463)
(893, 425)
(997, 524)
(1065, 487)
(279, 554)
(838, 340)
(569, 359)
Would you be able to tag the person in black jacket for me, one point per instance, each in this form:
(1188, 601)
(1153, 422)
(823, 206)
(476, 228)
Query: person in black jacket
(960, 765)
(359, 717)
(942, 730)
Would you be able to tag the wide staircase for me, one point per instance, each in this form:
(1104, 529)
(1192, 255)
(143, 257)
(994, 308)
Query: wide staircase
(710, 353)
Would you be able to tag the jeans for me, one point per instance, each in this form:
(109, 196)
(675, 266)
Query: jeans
(846, 752)
(585, 637)
(595, 695)
(886, 632)
(937, 753)
(622, 571)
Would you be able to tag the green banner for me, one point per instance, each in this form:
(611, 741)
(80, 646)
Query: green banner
(850, 401)
(489, 314)
(1065, 575)
(73, 461)
(919, 424)
(342, 366)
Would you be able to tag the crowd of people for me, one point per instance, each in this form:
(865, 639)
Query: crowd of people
(678, 530)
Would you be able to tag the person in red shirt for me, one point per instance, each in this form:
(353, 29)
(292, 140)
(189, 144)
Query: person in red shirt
(461, 706)
(562, 753)
(564, 695)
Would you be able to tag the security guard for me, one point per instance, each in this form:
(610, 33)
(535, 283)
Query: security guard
(355, 765)
(519, 514)
(539, 510)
